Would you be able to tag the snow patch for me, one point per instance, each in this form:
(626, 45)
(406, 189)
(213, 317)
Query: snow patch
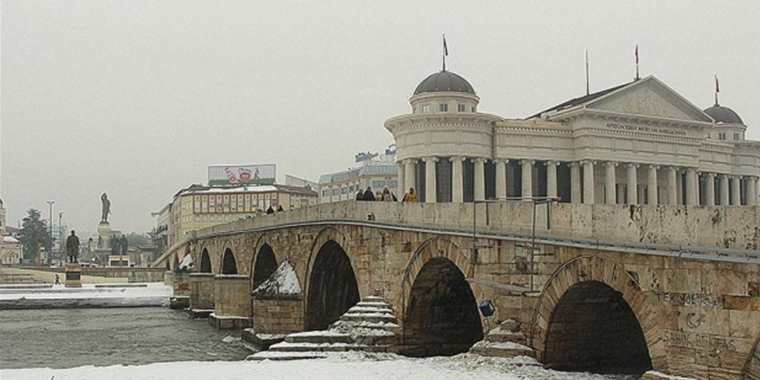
(283, 282)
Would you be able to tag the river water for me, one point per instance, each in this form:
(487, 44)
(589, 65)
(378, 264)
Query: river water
(65, 338)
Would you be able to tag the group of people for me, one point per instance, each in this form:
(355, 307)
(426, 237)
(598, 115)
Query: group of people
(385, 196)
(271, 210)
(368, 195)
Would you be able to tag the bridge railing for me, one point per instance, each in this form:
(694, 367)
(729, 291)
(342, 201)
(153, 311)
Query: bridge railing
(721, 227)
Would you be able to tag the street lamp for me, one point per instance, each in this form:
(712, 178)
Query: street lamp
(50, 227)
(61, 233)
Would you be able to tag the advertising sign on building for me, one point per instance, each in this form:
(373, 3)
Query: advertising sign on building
(225, 175)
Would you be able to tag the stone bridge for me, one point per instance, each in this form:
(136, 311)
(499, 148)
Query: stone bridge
(606, 287)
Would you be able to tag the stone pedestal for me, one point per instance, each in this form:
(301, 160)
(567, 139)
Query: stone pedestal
(201, 294)
(232, 302)
(104, 232)
(72, 275)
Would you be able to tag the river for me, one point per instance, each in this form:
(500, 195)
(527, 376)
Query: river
(66, 338)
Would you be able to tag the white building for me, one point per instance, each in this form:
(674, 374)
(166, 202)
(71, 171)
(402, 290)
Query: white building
(636, 143)
(376, 171)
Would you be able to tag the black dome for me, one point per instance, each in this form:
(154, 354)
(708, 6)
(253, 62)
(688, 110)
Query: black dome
(724, 115)
(444, 81)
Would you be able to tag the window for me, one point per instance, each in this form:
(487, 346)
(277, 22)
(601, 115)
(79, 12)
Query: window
(460, 108)
(736, 136)
(472, 109)
(443, 107)
(721, 136)
(425, 108)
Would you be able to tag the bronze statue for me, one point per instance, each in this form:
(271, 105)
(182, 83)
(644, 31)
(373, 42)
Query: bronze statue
(106, 208)
(72, 247)
(124, 244)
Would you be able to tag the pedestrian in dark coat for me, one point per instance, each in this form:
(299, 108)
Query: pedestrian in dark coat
(368, 195)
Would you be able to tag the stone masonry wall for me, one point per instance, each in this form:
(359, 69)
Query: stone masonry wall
(232, 296)
(202, 291)
(278, 315)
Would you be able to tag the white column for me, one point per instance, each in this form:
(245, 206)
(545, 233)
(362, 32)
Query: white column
(588, 182)
(735, 191)
(551, 179)
(480, 179)
(575, 182)
(632, 185)
(691, 187)
(501, 179)
(400, 180)
(679, 187)
(672, 186)
(430, 180)
(752, 191)
(723, 190)
(457, 187)
(709, 189)
(610, 190)
(652, 186)
(409, 177)
(527, 179)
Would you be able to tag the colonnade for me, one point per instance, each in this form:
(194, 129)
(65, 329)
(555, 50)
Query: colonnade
(660, 185)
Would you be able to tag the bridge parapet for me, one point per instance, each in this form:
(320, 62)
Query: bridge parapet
(735, 228)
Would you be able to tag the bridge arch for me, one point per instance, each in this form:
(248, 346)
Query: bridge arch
(205, 261)
(440, 313)
(592, 316)
(331, 288)
(229, 264)
(263, 264)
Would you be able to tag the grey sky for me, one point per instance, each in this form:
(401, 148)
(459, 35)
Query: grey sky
(137, 97)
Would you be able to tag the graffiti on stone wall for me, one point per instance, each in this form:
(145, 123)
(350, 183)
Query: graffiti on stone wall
(691, 299)
(702, 342)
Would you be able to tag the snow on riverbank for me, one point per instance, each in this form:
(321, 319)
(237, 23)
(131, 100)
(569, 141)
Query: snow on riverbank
(349, 366)
(112, 295)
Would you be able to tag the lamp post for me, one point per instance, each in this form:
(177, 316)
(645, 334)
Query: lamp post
(50, 227)
(61, 233)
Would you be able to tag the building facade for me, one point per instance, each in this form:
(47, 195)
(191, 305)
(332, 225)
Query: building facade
(200, 206)
(10, 247)
(372, 170)
(636, 143)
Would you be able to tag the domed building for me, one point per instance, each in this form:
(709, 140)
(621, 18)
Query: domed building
(636, 143)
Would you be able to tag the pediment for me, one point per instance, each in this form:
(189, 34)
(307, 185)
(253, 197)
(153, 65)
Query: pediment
(650, 97)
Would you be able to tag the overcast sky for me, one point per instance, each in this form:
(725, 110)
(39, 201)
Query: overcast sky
(137, 97)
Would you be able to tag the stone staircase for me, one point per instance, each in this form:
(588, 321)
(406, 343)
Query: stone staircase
(504, 341)
(368, 326)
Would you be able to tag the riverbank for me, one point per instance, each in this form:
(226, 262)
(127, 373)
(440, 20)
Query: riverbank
(348, 366)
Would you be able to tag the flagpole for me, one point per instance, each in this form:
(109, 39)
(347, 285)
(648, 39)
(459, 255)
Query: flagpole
(587, 85)
(445, 52)
(636, 53)
(717, 89)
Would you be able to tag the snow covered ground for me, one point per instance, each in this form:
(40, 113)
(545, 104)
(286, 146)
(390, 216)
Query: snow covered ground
(349, 366)
(89, 295)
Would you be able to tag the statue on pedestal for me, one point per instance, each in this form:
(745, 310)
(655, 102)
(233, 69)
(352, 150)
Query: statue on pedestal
(72, 247)
(105, 209)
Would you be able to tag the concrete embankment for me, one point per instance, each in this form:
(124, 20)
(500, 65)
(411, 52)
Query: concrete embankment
(88, 296)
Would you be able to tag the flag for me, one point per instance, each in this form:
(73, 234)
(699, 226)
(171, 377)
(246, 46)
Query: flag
(717, 85)
(445, 48)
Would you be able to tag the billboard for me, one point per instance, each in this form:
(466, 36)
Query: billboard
(221, 175)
